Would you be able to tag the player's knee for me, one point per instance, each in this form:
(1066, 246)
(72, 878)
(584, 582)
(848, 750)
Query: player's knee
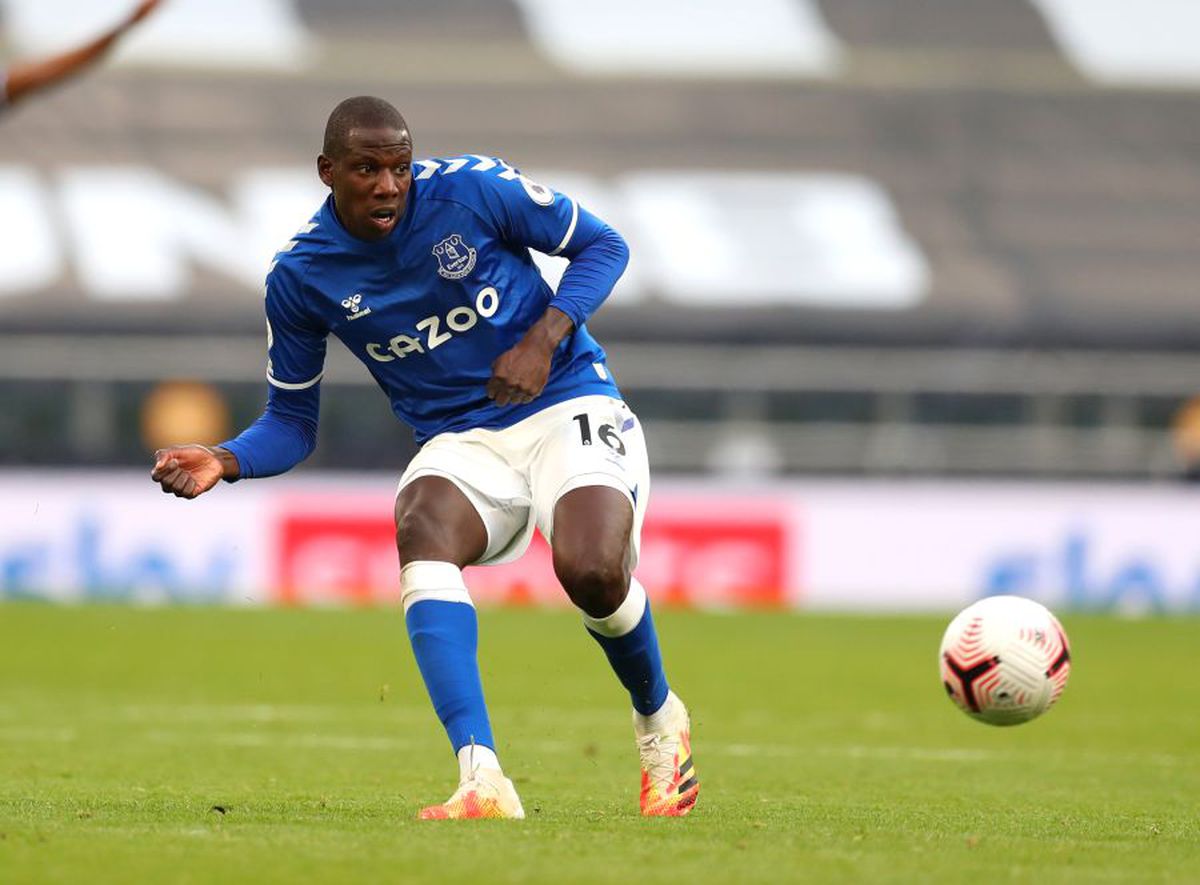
(420, 535)
(595, 581)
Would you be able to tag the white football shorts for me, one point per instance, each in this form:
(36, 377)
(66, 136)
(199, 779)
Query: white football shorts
(515, 475)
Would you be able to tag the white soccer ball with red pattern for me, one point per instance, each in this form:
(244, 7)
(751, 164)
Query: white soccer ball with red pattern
(1005, 660)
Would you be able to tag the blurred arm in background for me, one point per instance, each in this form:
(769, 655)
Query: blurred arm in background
(24, 77)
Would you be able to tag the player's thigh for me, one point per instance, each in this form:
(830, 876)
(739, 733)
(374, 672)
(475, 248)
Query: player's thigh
(462, 495)
(593, 528)
(596, 443)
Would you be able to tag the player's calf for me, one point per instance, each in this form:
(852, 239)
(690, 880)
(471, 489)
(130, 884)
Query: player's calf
(669, 785)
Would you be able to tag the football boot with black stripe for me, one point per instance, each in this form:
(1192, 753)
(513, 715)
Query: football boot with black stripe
(669, 783)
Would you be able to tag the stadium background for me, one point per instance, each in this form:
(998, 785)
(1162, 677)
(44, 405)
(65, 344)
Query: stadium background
(911, 316)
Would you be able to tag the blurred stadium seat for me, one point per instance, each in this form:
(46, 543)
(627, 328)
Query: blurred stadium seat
(949, 239)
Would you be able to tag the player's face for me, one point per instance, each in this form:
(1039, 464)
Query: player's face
(370, 180)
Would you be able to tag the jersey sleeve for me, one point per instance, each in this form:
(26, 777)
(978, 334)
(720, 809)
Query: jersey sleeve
(283, 436)
(295, 340)
(535, 216)
(286, 433)
(525, 212)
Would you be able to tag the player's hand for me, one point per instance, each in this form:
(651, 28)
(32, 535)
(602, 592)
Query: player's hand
(186, 471)
(519, 374)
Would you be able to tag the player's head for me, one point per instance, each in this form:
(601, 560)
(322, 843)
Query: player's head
(366, 160)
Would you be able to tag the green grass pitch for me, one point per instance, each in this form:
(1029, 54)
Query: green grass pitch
(209, 745)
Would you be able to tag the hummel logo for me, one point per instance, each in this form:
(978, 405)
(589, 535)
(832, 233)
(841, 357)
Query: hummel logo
(352, 304)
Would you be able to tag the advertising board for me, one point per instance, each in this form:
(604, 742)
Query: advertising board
(871, 546)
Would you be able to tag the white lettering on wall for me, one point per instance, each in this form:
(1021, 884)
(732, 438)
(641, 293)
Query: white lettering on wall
(825, 240)
(1135, 42)
(136, 234)
(703, 38)
(31, 257)
(738, 239)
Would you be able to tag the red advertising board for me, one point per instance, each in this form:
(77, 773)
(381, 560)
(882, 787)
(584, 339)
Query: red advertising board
(336, 558)
(712, 554)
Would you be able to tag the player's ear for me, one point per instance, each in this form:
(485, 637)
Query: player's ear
(325, 170)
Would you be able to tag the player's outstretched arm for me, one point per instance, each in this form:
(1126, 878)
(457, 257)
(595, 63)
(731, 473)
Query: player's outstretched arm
(30, 76)
(190, 471)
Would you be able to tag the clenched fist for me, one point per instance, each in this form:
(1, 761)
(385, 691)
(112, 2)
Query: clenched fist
(190, 471)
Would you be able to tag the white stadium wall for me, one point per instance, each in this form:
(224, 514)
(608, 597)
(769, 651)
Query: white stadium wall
(815, 545)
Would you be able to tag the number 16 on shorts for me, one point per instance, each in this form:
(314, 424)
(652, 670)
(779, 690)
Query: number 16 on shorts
(597, 441)
(608, 433)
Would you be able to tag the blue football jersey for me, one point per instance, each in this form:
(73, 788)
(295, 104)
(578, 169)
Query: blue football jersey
(429, 308)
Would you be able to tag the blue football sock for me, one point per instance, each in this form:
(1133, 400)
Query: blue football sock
(634, 654)
(445, 638)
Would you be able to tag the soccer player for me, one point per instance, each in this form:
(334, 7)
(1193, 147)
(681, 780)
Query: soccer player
(423, 271)
(25, 77)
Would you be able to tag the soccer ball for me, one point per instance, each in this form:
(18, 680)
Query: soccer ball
(1005, 660)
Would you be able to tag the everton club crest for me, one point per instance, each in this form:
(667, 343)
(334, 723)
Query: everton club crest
(455, 258)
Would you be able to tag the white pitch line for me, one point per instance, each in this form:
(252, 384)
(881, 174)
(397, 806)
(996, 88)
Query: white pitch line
(558, 719)
(933, 754)
(385, 711)
(743, 750)
(242, 712)
(316, 741)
